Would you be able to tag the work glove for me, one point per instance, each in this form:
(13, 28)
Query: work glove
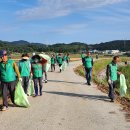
(20, 79)
(109, 81)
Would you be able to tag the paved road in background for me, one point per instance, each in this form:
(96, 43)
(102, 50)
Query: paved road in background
(67, 104)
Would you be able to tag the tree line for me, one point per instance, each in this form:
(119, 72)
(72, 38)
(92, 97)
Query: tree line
(75, 47)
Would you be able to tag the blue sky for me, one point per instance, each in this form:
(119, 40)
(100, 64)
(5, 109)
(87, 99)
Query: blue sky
(57, 21)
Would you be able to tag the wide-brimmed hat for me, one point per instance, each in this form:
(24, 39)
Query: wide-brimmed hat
(25, 56)
(36, 57)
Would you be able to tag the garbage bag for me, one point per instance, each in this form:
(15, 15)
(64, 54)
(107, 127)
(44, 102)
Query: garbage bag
(123, 86)
(31, 90)
(46, 60)
(64, 66)
(46, 67)
(20, 98)
(46, 57)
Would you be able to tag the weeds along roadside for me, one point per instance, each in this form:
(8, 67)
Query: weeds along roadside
(102, 85)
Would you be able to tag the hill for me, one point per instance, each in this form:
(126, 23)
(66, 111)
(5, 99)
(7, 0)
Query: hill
(112, 45)
(74, 47)
(24, 46)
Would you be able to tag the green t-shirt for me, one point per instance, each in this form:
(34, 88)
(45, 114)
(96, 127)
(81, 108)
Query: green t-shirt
(52, 60)
(60, 60)
(88, 62)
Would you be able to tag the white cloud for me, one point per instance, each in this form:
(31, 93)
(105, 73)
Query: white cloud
(69, 29)
(57, 8)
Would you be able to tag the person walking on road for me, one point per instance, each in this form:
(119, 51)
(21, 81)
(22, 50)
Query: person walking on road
(82, 57)
(60, 61)
(8, 72)
(37, 73)
(112, 76)
(53, 61)
(88, 64)
(25, 71)
(65, 58)
(68, 58)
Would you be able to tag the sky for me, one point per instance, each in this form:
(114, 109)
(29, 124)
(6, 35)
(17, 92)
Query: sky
(64, 21)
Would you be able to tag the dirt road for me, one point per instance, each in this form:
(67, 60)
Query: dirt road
(67, 104)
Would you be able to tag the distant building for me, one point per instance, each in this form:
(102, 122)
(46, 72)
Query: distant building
(110, 52)
(113, 51)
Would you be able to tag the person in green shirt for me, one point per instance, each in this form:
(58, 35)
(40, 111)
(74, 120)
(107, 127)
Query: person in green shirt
(82, 57)
(112, 76)
(37, 73)
(65, 58)
(60, 61)
(8, 73)
(25, 71)
(88, 64)
(56, 57)
(53, 61)
(68, 58)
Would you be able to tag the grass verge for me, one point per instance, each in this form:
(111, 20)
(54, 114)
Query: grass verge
(103, 86)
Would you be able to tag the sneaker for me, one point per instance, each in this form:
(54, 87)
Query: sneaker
(40, 93)
(112, 100)
(35, 95)
(89, 84)
(45, 81)
(4, 108)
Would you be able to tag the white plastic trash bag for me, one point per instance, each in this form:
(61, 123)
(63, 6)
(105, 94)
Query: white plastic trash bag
(123, 86)
(31, 90)
(64, 66)
(47, 65)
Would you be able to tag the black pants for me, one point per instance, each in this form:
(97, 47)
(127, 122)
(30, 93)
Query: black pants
(38, 82)
(52, 67)
(60, 66)
(67, 62)
(112, 87)
(25, 84)
(5, 87)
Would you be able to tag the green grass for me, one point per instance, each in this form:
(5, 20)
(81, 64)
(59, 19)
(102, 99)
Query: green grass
(100, 65)
(126, 71)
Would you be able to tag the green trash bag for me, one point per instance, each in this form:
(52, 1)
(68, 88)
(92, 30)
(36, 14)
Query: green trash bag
(20, 97)
(64, 66)
(31, 90)
(123, 86)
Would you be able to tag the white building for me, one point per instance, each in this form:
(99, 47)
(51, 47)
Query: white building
(113, 51)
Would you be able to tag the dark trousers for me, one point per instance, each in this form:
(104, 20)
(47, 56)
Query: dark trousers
(88, 74)
(60, 66)
(67, 62)
(45, 75)
(52, 67)
(25, 84)
(83, 60)
(5, 87)
(112, 87)
(38, 82)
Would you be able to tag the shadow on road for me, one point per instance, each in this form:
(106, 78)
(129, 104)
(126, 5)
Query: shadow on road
(60, 81)
(90, 97)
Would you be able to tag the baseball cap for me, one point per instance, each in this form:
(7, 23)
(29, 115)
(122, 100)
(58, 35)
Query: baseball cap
(3, 53)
